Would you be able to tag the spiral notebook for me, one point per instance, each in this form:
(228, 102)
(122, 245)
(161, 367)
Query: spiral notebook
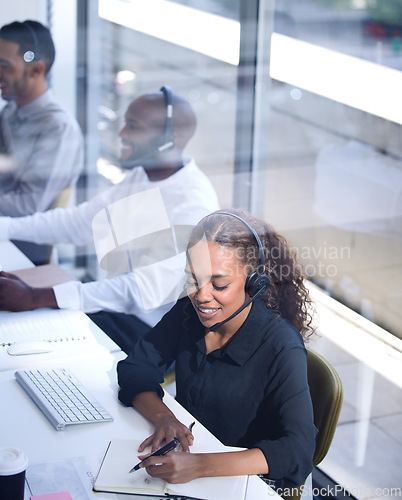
(68, 332)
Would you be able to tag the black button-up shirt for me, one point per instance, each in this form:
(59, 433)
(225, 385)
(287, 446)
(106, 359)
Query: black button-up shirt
(252, 392)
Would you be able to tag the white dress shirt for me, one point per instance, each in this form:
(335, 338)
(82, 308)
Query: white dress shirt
(187, 195)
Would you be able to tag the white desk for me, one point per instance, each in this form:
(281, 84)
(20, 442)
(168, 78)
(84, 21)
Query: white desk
(27, 428)
(11, 258)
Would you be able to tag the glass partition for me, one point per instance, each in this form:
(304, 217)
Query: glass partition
(334, 171)
(193, 50)
(299, 120)
(332, 183)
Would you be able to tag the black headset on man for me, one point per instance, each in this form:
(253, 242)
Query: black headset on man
(168, 142)
(257, 282)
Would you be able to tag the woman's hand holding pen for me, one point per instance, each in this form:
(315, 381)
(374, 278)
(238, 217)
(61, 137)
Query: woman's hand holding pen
(166, 429)
(175, 467)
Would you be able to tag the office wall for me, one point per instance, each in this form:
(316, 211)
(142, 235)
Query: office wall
(19, 10)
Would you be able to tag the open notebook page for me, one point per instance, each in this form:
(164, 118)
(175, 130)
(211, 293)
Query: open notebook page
(69, 333)
(122, 455)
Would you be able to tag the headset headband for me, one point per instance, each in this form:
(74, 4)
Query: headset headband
(167, 92)
(261, 258)
(32, 55)
(257, 283)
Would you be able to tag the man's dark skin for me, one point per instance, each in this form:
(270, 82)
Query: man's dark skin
(141, 136)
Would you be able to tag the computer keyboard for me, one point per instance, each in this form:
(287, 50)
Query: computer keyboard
(62, 397)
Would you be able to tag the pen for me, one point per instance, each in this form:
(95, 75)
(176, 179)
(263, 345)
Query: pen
(162, 451)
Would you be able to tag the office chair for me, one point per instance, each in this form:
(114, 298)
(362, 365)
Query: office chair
(62, 199)
(41, 254)
(170, 377)
(326, 395)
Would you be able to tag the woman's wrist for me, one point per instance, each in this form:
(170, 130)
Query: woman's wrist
(152, 407)
(163, 416)
(205, 464)
(236, 463)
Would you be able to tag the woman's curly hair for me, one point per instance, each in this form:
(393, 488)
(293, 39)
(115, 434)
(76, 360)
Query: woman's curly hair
(287, 294)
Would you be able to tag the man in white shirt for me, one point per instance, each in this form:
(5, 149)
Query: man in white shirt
(41, 144)
(157, 129)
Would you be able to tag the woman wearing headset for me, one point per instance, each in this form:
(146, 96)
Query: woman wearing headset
(237, 341)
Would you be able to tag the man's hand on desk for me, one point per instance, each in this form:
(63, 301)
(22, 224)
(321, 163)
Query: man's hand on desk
(16, 295)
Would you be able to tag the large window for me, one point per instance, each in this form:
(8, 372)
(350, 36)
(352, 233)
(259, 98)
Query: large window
(334, 175)
(324, 122)
(299, 120)
(144, 48)
(332, 183)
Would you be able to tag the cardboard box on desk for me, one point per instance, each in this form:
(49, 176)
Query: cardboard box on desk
(44, 276)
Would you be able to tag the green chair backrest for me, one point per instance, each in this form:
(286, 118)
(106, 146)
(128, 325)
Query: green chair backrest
(327, 396)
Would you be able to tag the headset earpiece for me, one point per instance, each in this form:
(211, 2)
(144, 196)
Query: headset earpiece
(168, 141)
(255, 282)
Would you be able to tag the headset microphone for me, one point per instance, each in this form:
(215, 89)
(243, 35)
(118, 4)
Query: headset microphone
(218, 325)
(257, 283)
(166, 146)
